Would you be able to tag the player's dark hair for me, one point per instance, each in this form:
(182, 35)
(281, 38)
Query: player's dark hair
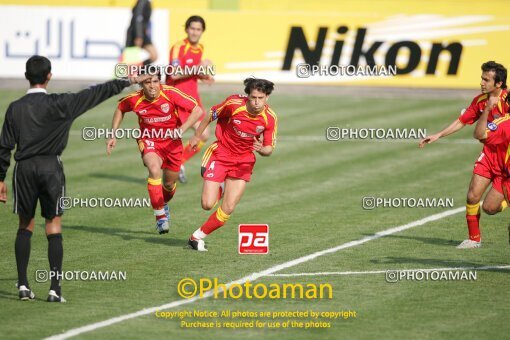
(262, 85)
(152, 70)
(499, 72)
(37, 69)
(195, 18)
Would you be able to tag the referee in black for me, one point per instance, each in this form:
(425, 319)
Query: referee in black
(38, 126)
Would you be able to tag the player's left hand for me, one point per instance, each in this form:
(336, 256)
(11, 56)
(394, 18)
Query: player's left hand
(3, 192)
(257, 144)
(139, 79)
(193, 142)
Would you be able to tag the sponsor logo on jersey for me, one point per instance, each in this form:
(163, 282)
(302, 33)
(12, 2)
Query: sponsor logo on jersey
(156, 119)
(243, 134)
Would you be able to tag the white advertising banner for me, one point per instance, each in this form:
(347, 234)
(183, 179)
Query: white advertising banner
(82, 43)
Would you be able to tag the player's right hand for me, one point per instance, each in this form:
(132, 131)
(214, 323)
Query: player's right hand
(428, 140)
(110, 145)
(3, 192)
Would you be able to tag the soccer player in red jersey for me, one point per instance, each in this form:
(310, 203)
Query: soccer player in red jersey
(157, 107)
(244, 124)
(497, 135)
(187, 55)
(486, 169)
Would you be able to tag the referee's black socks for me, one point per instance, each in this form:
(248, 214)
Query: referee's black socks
(22, 250)
(55, 256)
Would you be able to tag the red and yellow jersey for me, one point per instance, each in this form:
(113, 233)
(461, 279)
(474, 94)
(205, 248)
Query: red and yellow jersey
(474, 111)
(498, 136)
(160, 113)
(236, 128)
(184, 54)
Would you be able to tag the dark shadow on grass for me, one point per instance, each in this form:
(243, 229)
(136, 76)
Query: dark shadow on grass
(428, 240)
(129, 235)
(421, 263)
(121, 178)
(9, 295)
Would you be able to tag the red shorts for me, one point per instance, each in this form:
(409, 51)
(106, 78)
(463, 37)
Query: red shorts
(169, 150)
(487, 166)
(218, 164)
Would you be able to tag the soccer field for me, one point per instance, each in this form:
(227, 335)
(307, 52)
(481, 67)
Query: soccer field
(310, 193)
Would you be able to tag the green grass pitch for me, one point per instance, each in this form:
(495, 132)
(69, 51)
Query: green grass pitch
(309, 192)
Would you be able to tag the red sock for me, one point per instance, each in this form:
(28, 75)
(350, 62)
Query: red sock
(215, 221)
(188, 152)
(168, 195)
(473, 222)
(156, 197)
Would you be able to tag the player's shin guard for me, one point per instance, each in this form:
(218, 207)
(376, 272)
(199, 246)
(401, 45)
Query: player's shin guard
(55, 257)
(188, 152)
(156, 197)
(22, 251)
(473, 221)
(216, 220)
(168, 195)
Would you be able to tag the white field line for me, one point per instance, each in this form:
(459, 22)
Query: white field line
(390, 270)
(254, 276)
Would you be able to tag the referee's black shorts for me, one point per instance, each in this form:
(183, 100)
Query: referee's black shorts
(38, 178)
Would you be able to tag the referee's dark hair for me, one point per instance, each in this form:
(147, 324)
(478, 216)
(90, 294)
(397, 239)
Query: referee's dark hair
(499, 72)
(37, 69)
(195, 18)
(262, 85)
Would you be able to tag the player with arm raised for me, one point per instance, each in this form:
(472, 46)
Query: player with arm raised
(486, 169)
(186, 55)
(157, 107)
(245, 124)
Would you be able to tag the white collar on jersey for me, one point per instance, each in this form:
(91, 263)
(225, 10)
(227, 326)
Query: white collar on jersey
(36, 90)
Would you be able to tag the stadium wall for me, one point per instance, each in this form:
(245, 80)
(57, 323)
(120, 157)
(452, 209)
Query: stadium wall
(440, 45)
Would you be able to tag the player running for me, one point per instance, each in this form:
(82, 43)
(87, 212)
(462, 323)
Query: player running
(184, 55)
(157, 107)
(497, 134)
(245, 124)
(486, 169)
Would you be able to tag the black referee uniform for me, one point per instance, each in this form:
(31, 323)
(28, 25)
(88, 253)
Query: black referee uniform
(38, 126)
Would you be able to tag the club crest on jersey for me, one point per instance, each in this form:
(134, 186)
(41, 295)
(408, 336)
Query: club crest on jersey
(259, 128)
(237, 121)
(491, 126)
(165, 107)
(142, 112)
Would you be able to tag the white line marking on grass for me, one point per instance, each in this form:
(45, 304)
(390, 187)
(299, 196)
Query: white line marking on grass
(254, 276)
(387, 270)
